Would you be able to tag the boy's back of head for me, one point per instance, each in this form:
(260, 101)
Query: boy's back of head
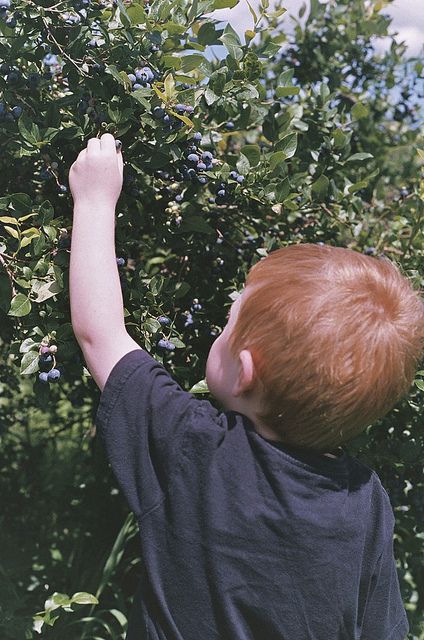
(336, 337)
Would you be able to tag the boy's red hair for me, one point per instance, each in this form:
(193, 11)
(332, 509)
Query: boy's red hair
(336, 337)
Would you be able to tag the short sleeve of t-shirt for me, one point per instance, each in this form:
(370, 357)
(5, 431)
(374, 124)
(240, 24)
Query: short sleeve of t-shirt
(141, 419)
(385, 616)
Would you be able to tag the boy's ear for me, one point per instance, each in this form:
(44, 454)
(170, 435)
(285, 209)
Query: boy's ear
(246, 373)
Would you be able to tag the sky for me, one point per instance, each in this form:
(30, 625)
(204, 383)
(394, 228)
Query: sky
(408, 20)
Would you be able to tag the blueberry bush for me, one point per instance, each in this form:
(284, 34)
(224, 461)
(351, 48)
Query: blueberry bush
(234, 145)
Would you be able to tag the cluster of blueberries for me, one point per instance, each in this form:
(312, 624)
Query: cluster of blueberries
(11, 21)
(164, 321)
(14, 76)
(47, 363)
(168, 119)
(52, 65)
(142, 77)
(163, 343)
(223, 190)
(87, 105)
(9, 116)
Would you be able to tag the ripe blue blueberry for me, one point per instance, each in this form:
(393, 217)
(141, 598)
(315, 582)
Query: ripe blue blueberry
(166, 344)
(13, 77)
(4, 4)
(240, 179)
(179, 197)
(164, 321)
(233, 175)
(166, 118)
(192, 157)
(17, 112)
(189, 320)
(197, 136)
(43, 377)
(207, 156)
(120, 262)
(202, 179)
(158, 112)
(180, 108)
(230, 125)
(63, 188)
(201, 166)
(221, 193)
(189, 108)
(132, 77)
(50, 59)
(137, 86)
(53, 375)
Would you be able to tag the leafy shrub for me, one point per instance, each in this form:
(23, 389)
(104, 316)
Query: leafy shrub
(280, 139)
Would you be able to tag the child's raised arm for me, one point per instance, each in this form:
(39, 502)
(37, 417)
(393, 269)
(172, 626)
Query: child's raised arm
(95, 180)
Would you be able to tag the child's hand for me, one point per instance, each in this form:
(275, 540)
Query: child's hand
(96, 175)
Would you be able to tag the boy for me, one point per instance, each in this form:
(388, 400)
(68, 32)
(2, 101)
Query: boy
(254, 523)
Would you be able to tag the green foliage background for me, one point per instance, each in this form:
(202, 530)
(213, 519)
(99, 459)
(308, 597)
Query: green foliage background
(326, 133)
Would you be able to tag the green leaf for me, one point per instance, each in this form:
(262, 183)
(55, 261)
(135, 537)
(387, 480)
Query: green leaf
(357, 186)
(61, 599)
(252, 153)
(181, 289)
(319, 188)
(360, 110)
(224, 4)
(288, 144)
(194, 61)
(177, 342)
(121, 77)
(200, 387)
(29, 363)
(210, 96)
(207, 34)
(28, 130)
(232, 42)
(252, 11)
(195, 224)
(359, 156)
(340, 139)
(269, 49)
(420, 384)
(21, 202)
(27, 345)
(84, 598)
(243, 165)
(45, 290)
(12, 232)
(276, 159)
(136, 14)
(151, 325)
(281, 92)
(20, 306)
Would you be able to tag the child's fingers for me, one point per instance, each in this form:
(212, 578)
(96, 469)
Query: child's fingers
(93, 145)
(107, 143)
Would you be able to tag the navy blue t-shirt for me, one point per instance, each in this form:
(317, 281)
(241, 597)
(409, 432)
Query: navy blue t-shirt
(243, 539)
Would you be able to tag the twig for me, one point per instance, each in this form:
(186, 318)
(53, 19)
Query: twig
(50, 36)
(9, 273)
